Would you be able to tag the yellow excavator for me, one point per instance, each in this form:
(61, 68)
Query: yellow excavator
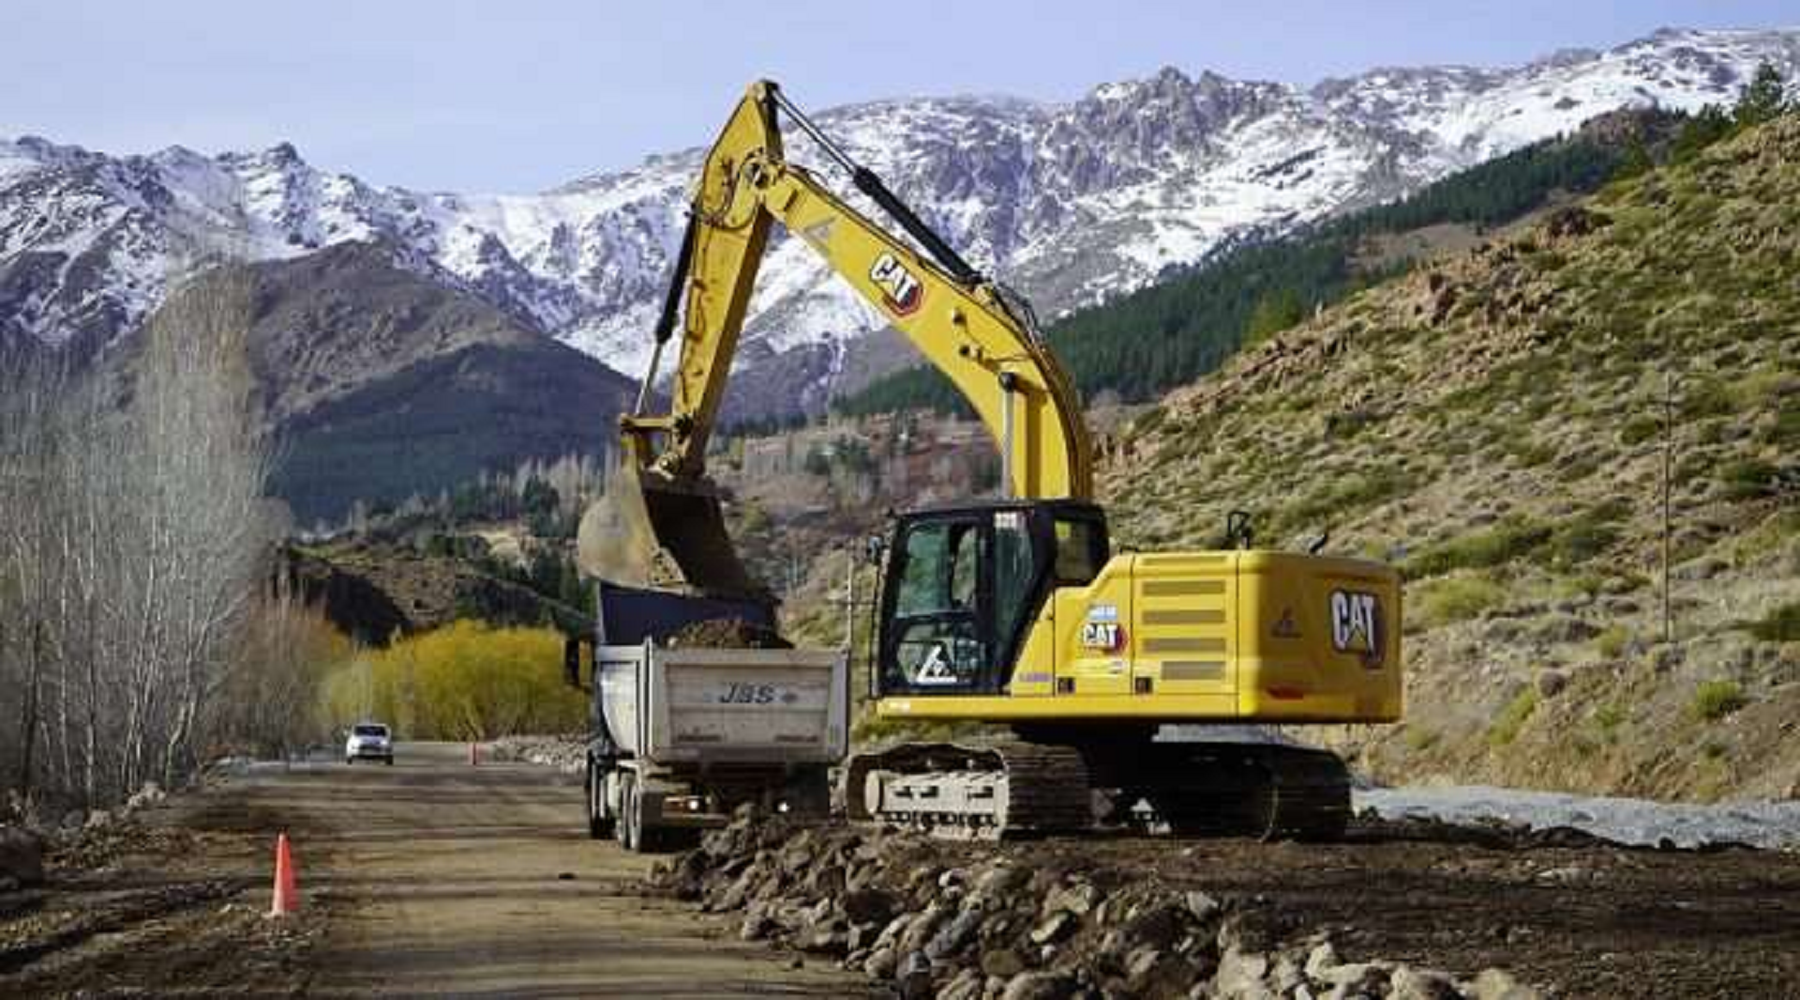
(1013, 611)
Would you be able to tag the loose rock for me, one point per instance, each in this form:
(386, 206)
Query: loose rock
(1039, 986)
(21, 855)
(1495, 984)
(1055, 927)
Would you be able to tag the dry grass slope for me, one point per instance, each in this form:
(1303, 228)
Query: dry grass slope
(1498, 425)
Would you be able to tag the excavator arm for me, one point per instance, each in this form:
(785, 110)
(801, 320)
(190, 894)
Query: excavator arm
(965, 325)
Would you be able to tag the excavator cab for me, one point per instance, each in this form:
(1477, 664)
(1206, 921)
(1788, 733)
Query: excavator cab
(964, 585)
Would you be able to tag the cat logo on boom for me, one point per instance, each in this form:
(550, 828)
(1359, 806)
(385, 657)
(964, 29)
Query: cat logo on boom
(900, 290)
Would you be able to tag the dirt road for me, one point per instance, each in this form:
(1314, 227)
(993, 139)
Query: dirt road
(451, 880)
(427, 878)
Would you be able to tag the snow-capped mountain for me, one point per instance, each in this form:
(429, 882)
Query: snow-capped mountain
(1071, 203)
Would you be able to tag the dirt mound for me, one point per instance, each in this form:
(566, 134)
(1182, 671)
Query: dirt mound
(726, 633)
(154, 903)
(973, 921)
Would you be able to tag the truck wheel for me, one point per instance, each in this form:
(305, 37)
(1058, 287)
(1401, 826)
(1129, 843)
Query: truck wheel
(600, 825)
(809, 793)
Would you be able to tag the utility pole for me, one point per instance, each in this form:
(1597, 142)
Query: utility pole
(850, 600)
(1668, 481)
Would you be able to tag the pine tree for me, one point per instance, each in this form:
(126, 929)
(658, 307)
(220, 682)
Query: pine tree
(1762, 99)
(1708, 126)
(1637, 161)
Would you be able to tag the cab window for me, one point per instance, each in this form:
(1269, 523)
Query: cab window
(1015, 572)
(1080, 551)
(938, 642)
(941, 570)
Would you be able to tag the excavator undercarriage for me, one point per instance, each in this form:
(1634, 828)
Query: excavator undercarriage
(1005, 789)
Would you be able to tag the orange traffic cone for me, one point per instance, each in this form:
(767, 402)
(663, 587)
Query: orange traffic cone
(287, 895)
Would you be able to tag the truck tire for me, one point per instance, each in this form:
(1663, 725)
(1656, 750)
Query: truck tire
(639, 837)
(808, 793)
(600, 825)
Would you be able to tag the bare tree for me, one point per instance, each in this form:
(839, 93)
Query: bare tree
(132, 540)
(271, 702)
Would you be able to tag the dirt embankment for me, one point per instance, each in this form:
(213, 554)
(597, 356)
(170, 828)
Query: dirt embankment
(172, 895)
(1400, 910)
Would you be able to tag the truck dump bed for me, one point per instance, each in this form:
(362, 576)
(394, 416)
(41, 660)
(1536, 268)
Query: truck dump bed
(687, 706)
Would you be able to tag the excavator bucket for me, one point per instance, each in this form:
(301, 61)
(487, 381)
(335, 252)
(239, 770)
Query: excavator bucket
(647, 531)
(615, 541)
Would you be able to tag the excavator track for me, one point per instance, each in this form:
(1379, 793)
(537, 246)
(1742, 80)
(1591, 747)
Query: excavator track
(1022, 788)
(1267, 791)
(974, 791)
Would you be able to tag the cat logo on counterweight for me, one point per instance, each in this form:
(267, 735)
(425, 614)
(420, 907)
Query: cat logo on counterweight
(1356, 625)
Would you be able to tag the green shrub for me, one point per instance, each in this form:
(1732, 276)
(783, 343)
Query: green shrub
(1705, 399)
(1611, 643)
(1503, 543)
(1420, 739)
(1527, 451)
(1784, 429)
(1578, 468)
(1584, 584)
(1340, 497)
(1456, 598)
(1766, 538)
(1779, 625)
(1640, 429)
(1148, 420)
(1513, 717)
(1608, 718)
(1714, 700)
(1586, 536)
(1747, 479)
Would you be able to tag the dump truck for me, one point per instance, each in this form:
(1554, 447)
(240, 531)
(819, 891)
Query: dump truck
(683, 737)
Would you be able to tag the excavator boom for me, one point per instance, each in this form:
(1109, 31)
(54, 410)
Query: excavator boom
(965, 325)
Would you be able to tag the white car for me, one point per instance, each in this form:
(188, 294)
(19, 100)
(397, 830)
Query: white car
(369, 741)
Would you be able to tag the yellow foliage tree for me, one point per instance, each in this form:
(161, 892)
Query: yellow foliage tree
(465, 681)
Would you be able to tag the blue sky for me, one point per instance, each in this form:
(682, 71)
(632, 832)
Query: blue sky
(449, 94)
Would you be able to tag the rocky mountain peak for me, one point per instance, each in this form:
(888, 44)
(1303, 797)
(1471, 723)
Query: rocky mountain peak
(1072, 203)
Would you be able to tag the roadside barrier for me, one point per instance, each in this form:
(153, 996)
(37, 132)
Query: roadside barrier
(287, 894)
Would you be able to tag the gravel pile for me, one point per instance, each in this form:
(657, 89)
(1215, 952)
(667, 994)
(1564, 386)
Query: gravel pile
(566, 753)
(983, 923)
(1638, 822)
(725, 633)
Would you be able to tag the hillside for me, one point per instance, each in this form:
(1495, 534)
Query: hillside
(1498, 424)
(379, 383)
